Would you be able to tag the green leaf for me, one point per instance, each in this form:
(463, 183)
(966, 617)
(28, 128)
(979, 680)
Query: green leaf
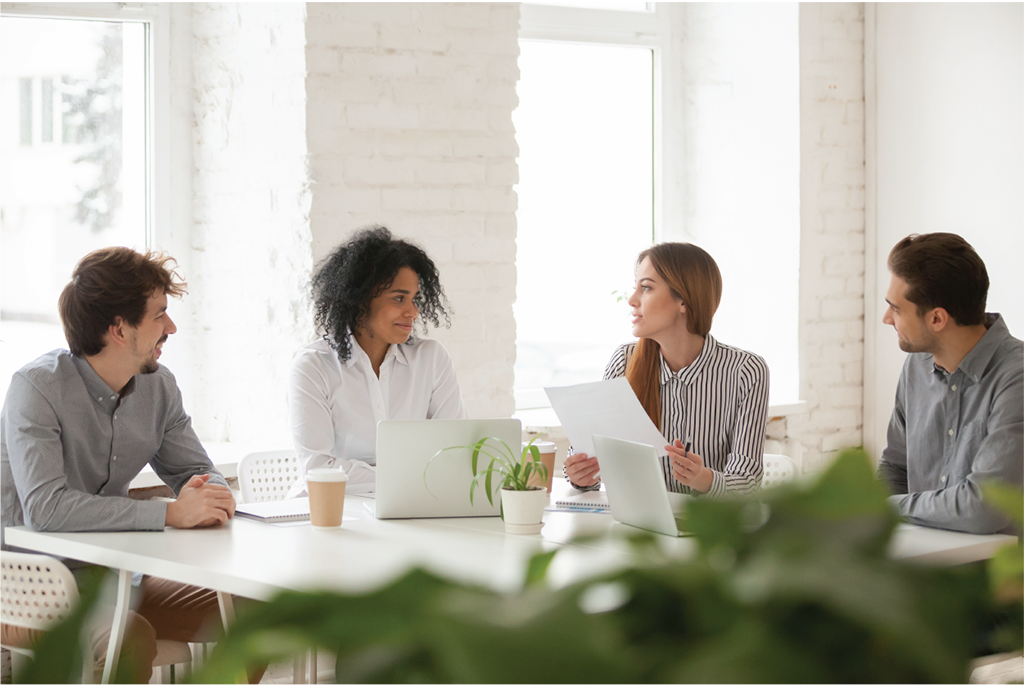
(537, 568)
(1006, 498)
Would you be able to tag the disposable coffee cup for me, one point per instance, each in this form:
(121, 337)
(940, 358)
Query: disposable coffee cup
(547, 457)
(326, 488)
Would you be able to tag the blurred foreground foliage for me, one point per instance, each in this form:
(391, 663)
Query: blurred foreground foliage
(795, 586)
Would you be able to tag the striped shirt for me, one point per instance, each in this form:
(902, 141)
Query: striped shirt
(719, 404)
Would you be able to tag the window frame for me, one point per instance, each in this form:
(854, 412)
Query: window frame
(157, 105)
(651, 29)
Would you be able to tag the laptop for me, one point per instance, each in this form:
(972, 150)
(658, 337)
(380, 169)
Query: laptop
(635, 485)
(405, 447)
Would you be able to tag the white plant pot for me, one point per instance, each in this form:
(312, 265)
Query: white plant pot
(523, 510)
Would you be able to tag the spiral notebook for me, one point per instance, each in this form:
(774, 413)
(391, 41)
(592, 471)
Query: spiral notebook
(276, 512)
(584, 501)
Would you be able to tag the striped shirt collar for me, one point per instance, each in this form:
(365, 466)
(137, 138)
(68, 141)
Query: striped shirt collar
(688, 373)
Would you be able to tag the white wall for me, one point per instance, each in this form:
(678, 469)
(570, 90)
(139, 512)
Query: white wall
(946, 153)
(739, 82)
(250, 239)
(831, 229)
(304, 129)
(409, 124)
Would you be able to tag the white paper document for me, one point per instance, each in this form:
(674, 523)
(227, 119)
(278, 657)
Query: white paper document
(607, 408)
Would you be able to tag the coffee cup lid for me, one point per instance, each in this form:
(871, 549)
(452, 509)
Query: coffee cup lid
(543, 445)
(326, 475)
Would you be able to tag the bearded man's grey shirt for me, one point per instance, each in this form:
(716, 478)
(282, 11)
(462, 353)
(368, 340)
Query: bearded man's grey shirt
(952, 432)
(70, 446)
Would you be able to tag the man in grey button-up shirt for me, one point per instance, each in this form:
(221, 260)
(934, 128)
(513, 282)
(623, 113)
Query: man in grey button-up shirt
(959, 408)
(77, 426)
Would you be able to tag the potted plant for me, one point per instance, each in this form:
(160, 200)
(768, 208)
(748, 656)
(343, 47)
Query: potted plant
(522, 504)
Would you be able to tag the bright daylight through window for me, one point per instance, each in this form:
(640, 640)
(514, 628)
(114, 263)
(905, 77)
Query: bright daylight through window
(585, 130)
(73, 139)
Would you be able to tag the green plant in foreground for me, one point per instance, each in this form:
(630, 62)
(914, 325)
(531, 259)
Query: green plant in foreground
(504, 470)
(809, 596)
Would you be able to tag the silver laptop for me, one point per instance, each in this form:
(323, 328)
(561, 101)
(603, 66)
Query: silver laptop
(405, 447)
(635, 485)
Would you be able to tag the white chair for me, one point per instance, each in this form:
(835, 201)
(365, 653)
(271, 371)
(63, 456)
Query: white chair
(778, 469)
(39, 591)
(267, 476)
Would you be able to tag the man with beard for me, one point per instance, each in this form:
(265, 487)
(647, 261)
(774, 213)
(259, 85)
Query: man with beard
(957, 423)
(77, 426)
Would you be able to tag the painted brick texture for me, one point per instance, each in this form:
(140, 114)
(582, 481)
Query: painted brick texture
(832, 229)
(409, 124)
(250, 238)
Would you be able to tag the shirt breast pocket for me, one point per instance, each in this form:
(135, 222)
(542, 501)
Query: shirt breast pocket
(967, 444)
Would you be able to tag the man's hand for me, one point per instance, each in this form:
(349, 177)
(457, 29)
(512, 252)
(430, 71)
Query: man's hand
(200, 504)
(582, 470)
(688, 468)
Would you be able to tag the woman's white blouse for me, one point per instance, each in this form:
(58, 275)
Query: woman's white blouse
(334, 406)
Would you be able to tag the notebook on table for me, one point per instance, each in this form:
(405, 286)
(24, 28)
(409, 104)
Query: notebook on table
(276, 512)
(594, 500)
(406, 488)
(635, 486)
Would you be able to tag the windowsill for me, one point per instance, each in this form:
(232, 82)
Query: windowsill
(545, 417)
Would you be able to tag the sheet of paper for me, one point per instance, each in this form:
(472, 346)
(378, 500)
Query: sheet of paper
(606, 408)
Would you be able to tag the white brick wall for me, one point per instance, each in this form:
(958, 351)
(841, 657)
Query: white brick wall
(409, 124)
(832, 229)
(250, 238)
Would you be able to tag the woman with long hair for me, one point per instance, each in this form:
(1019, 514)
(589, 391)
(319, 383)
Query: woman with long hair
(710, 400)
(368, 366)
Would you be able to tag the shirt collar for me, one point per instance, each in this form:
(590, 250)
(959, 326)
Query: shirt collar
(359, 354)
(688, 373)
(97, 387)
(976, 361)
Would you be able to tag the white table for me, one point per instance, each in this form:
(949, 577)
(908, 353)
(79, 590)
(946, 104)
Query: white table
(257, 560)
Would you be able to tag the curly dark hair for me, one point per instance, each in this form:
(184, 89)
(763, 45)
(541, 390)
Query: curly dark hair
(360, 270)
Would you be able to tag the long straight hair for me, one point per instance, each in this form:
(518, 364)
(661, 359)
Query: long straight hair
(694, 278)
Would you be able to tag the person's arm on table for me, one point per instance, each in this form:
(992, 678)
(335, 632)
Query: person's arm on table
(33, 436)
(181, 456)
(745, 463)
(999, 458)
(582, 470)
(309, 412)
(445, 396)
(892, 467)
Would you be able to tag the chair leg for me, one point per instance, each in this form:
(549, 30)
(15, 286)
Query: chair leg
(299, 669)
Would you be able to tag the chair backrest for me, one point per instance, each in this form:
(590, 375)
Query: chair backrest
(267, 476)
(37, 590)
(778, 469)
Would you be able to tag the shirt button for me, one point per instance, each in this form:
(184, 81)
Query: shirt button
(953, 388)
(99, 399)
(943, 479)
(113, 397)
(951, 431)
(115, 457)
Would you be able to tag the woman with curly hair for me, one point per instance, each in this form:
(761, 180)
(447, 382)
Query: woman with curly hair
(368, 366)
(710, 400)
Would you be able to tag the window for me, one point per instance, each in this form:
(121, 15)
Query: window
(585, 130)
(723, 86)
(75, 136)
(589, 179)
